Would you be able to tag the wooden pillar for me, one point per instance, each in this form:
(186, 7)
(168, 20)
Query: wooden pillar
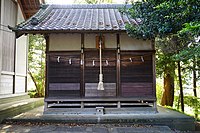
(46, 66)
(26, 78)
(154, 70)
(118, 67)
(82, 67)
(15, 65)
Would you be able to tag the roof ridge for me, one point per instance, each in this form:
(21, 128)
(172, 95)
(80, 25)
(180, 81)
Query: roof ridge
(89, 6)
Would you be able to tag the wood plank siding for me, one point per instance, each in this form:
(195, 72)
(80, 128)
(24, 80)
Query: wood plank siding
(92, 73)
(65, 74)
(136, 74)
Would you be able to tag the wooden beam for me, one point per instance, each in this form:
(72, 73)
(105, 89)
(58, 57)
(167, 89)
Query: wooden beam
(25, 4)
(118, 67)
(35, 4)
(30, 6)
(82, 67)
(22, 9)
(30, 11)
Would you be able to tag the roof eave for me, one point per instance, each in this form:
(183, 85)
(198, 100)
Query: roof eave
(21, 32)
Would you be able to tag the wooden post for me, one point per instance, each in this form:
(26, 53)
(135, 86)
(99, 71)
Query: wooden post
(46, 66)
(118, 67)
(82, 67)
(26, 79)
(154, 69)
(15, 57)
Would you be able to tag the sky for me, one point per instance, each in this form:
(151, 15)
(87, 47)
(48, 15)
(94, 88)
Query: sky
(71, 1)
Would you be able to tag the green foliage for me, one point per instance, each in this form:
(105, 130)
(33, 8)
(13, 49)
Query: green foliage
(96, 1)
(159, 91)
(192, 28)
(190, 101)
(161, 18)
(36, 63)
(32, 93)
(165, 49)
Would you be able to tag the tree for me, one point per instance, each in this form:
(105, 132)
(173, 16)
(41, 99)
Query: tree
(36, 63)
(163, 19)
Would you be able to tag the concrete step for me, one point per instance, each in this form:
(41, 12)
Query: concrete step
(18, 106)
(164, 117)
(13, 97)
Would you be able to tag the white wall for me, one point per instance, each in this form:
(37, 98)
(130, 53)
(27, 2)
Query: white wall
(110, 40)
(64, 42)
(128, 43)
(21, 55)
(10, 15)
(21, 64)
(6, 84)
(67, 42)
(90, 41)
(20, 84)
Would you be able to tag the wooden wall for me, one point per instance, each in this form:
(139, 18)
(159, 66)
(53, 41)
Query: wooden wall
(92, 73)
(64, 74)
(73, 72)
(136, 74)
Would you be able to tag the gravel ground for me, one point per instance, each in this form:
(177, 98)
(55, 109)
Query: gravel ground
(81, 128)
(18, 127)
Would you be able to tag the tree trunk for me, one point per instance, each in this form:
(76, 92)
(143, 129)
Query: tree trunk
(168, 94)
(181, 87)
(195, 84)
(33, 79)
(194, 77)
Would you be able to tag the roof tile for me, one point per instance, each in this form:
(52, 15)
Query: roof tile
(78, 17)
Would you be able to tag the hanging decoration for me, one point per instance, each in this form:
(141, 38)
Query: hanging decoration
(130, 59)
(100, 85)
(93, 64)
(142, 58)
(106, 62)
(58, 59)
(70, 61)
(81, 62)
(133, 59)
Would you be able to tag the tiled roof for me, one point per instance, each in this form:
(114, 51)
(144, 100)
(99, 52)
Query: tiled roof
(77, 17)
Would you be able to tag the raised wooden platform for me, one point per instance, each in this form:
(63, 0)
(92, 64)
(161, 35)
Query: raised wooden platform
(54, 104)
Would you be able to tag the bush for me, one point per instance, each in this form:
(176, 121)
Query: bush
(32, 93)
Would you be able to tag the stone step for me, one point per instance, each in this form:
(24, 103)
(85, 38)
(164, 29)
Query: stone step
(13, 97)
(19, 106)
